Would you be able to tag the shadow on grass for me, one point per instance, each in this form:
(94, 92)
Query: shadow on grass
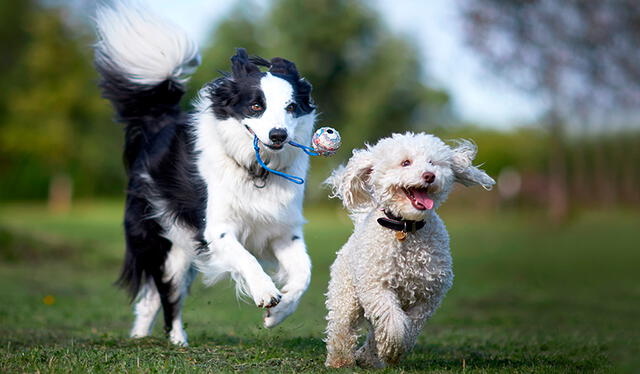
(296, 354)
(432, 357)
(16, 246)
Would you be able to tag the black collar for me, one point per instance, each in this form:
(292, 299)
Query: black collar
(398, 224)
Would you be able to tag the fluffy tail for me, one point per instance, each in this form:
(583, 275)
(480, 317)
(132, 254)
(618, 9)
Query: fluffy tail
(144, 62)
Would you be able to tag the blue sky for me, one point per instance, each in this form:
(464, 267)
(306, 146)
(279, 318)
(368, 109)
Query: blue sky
(479, 95)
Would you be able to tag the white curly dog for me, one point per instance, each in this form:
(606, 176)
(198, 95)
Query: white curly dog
(395, 269)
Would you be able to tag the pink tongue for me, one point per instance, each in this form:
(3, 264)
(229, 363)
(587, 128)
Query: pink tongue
(422, 197)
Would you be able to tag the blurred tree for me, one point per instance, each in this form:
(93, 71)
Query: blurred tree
(367, 81)
(12, 33)
(580, 56)
(54, 128)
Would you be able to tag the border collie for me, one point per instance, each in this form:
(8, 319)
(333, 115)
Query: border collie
(196, 198)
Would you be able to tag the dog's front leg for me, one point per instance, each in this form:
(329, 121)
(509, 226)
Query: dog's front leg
(227, 255)
(418, 315)
(389, 322)
(294, 272)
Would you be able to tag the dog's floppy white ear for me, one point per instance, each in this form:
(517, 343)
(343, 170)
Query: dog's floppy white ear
(350, 183)
(463, 169)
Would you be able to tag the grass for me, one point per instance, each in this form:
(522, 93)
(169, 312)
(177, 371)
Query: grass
(528, 297)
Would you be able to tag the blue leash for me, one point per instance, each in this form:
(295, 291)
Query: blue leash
(307, 150)
(291, 178)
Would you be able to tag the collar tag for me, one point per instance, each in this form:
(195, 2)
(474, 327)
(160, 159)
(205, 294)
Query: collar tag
(401, 235)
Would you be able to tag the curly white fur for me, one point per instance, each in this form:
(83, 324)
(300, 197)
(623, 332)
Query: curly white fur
(393, 286)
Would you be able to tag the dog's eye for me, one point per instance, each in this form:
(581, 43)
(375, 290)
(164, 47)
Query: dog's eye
(256, 107)
(291, 107)
(405, 163)
(430, 162)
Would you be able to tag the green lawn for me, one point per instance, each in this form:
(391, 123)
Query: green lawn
(527, 297)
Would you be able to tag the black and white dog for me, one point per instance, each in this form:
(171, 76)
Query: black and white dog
(196, 198)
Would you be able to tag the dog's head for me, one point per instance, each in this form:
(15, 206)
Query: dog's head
(272, 105)
(407, 174)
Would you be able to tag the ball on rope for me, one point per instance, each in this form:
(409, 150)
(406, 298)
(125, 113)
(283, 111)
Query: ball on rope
(326, 141)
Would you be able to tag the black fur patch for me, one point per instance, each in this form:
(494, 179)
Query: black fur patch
(144, 110)
(170, 161)
(233, 95)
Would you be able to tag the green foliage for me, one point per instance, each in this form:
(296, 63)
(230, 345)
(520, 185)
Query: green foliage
(527, 297)
(53, 119)
(524, 148)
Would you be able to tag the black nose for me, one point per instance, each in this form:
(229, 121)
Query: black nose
(278, 136)
(428, 177)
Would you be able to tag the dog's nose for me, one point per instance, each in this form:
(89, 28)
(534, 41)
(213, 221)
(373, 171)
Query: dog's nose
(428, 177)
(278, 135)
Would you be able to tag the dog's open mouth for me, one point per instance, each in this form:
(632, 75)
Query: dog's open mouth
(419, 197)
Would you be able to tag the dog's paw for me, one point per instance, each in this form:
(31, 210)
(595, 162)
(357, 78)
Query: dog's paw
(178, 337)
(274, 316)
(267, 296)
(366, 357)
(337, 363)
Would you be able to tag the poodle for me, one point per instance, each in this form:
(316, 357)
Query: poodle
(395, 269)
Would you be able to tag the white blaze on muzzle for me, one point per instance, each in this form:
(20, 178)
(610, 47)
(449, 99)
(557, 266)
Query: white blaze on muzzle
(278, 94)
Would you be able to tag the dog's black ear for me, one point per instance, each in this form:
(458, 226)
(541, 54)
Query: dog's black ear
(223, 93)
(259, 61)
(241, 65)
(303, 96)
(288, 69)
(284, 67)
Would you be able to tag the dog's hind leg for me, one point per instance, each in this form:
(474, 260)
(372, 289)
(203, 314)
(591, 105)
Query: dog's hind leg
(342, 319)
(156, 271)
(146, 309)
(173, 285)
(146, 254)
(149, 302)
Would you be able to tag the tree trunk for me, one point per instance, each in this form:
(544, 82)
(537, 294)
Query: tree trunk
(60, 192)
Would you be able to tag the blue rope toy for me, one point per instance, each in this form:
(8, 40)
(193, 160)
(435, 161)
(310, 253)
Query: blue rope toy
(289, 177)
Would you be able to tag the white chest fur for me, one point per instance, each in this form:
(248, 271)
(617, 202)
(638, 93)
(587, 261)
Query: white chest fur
(254, 215)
